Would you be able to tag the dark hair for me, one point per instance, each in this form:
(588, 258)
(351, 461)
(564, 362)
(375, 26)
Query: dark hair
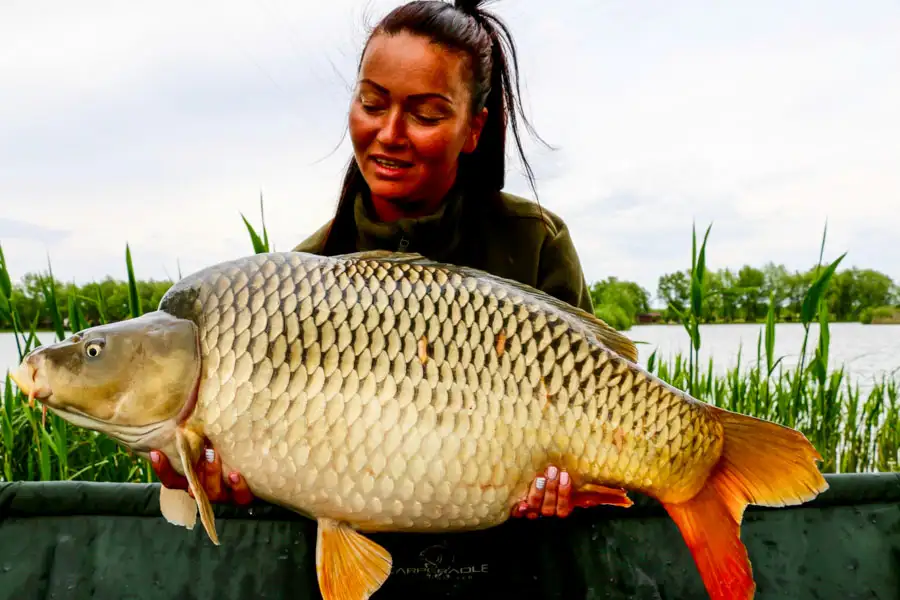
(480, 36)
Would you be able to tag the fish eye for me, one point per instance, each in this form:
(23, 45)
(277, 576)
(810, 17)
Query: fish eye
(93, 348)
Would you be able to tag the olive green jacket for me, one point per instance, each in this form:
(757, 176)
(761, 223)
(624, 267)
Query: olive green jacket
(509, 237)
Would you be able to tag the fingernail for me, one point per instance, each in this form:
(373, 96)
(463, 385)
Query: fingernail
(551, 473)
(154, 456)
(523, 506)
(234, 478)
(540, 483)
(210, 455)
(564, 478)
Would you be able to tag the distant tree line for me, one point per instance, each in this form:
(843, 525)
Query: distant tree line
(742, 296)
(107, 298)
(731, 297)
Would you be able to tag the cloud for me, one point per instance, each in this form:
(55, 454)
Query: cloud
(11, 229)
(158, 128)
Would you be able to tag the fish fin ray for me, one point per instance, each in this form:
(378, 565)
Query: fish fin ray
(207, 518)
(177, 507)
(609, 336)
(767, 464)
(349, 566)
(589, 494)
(389, 256)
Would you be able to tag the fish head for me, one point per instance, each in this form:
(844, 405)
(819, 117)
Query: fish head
(126, 379)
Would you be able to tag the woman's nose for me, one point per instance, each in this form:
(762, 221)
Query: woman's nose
(392, 131)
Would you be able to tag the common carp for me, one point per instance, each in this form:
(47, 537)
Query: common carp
(380, 391)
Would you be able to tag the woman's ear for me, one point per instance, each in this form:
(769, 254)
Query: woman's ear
(475, 131)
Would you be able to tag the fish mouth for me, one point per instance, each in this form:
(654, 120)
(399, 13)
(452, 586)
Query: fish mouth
(29, 381)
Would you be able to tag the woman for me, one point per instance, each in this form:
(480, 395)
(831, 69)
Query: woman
(428, 126)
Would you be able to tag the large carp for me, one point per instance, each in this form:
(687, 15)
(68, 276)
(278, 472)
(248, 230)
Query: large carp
(386, 392)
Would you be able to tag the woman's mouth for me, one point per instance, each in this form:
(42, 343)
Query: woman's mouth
(390, 167)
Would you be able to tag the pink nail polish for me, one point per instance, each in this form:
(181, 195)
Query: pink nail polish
(234, 477)
(551, 473)
(564, 478)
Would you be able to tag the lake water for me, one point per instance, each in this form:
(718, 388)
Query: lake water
(867, 351)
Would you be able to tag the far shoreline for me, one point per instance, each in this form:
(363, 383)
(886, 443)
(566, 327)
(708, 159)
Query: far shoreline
(884, 321)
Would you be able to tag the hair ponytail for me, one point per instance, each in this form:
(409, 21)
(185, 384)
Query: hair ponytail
(470, 7)
(496, 87)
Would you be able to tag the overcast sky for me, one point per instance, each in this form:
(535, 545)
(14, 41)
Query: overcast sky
(765, 118)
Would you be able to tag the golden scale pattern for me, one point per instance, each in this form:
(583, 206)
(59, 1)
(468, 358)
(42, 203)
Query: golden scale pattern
(403, 395)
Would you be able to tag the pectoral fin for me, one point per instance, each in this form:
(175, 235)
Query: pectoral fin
(177, 507)
(187, 464)
(349, 565)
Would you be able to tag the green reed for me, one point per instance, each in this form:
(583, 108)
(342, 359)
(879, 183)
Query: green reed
(853, 432)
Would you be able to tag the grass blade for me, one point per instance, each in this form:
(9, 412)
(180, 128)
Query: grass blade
(816, 291)
(134, 299)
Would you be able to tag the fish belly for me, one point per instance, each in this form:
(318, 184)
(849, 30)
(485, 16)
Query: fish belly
(397, 396)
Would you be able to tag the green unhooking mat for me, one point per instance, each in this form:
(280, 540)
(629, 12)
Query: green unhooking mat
(108, 541)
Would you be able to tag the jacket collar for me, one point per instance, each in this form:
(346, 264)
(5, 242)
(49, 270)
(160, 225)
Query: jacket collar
(436, 235)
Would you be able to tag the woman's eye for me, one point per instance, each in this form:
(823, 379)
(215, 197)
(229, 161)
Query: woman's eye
(428, 118)
(370, 104)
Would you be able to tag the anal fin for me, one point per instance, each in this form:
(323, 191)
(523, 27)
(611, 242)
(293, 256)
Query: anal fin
(589, 494)
(187, 464)
(349, 566)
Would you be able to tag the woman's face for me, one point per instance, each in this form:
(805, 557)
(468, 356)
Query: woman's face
(410, 118)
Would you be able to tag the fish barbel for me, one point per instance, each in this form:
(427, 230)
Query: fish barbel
(385, 392)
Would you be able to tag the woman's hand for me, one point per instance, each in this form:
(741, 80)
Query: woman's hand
(548, 496)
(232, 489)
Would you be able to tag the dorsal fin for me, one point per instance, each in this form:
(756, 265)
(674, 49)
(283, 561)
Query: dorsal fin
(389, 256)
(610, 337)
(605, 333)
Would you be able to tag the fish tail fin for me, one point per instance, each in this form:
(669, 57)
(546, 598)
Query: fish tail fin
(762, 463)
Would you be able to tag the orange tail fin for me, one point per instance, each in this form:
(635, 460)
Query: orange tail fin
(762, 463)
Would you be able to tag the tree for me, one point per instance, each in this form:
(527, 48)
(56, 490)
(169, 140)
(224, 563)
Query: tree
(854, 290)
(619, 302)
(752, 298)
(675, 290)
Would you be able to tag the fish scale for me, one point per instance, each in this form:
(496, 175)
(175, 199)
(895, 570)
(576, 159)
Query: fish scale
(388, 389)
